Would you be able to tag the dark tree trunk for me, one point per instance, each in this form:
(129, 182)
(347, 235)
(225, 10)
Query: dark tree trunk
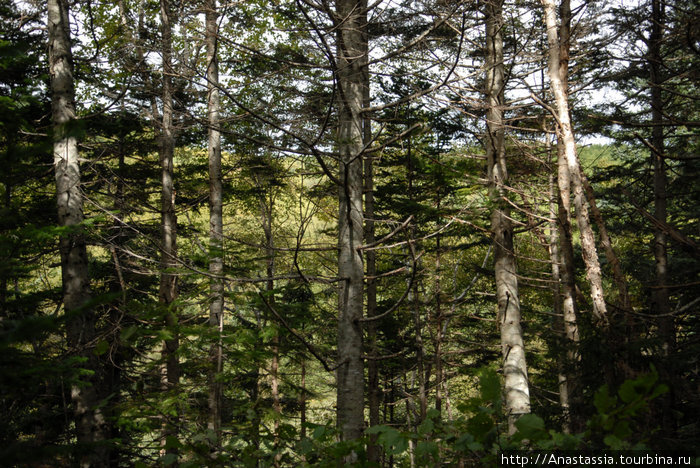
(170, 376)
(660, 298)
(91, 427)
(216, 225)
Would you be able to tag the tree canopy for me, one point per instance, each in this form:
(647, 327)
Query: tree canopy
(312, 233)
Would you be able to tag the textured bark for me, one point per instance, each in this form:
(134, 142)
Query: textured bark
(558, 63)
(302, 402)
(420, 374)
(350, 373)
(216, 225)
(661, 304)
(517, 392)
(170, 376)
(437, 337)
(373, 390)
(565, 309)
(90, 425)
(266, 201)
(610, 254)
(563, 252)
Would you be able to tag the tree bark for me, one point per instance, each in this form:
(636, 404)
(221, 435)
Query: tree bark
(91, 427)
(517, 392)
(565, 309)
(437, 339)
(170, 376)
(610, 254)
(558, 78)
(661, 304)
(216, 225)
(373, 390)
(266, 201)
(302, 401)
(350, 59)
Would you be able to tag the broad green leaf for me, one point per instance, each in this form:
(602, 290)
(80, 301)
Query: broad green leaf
(602, 400)
(530, 426)
(490, 386)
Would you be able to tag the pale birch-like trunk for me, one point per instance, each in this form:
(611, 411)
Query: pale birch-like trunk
(517, 392)
(557, 66)
(216, 224)
(91, 427)
(168, 263)
(350, 60)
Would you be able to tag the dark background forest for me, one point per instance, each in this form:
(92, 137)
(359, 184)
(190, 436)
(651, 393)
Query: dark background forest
(352, 232)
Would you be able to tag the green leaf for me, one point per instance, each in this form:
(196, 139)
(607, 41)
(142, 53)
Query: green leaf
(172, 442)
(530, 426)
(480, 425)
(613, 442)
(622, 430)
(658, 391)
(168, 459)
(376, 429)
(426, 427)
(628, 391)
(305, 446)
(427, 447)
(165, 335)
(319, 432)
(602, 400)
(101, 347)
(490, 386)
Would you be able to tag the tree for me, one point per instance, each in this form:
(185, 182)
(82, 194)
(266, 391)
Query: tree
(262, 194)
(216, 225)
(565, 134)
(350, 16)
(168, 291)
(517, 394)
(80, 318)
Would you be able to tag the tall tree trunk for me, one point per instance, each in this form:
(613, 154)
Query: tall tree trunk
(90, 424)
(558, 78)
(373, 391)
(168, 279)
(610, 254)
(660, 297)
(564, 308)
(216, 224)
(517, 392)
(302, 400)
(350, 60)
(437, 339)
(414, 299)
(266, 210)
